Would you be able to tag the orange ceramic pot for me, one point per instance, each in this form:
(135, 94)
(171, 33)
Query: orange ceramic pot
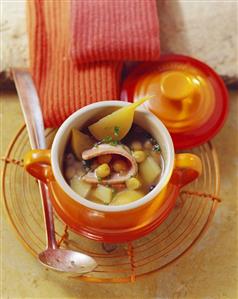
(104, 222)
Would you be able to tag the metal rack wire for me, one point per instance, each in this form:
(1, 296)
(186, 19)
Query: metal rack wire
(125, 262)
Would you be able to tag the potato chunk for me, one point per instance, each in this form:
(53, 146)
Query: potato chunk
(80, 142)
(80, 187)
(103, 193)
(149, 170)
(126, 196)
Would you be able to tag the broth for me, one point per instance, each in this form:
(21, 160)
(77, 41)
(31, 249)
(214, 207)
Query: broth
(105, 178)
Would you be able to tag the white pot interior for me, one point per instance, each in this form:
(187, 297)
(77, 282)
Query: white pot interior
(90, 114)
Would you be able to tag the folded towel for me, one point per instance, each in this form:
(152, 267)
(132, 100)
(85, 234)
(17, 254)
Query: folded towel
(67, 83)
(62, 86)
(115, 30)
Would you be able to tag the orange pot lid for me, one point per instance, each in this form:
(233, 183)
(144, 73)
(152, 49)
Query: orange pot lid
(190, 98)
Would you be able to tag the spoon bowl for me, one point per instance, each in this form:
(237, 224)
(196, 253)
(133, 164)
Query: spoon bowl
(67, 260)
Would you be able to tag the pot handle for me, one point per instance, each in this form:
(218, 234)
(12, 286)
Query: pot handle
(38, 163)
(186, 169)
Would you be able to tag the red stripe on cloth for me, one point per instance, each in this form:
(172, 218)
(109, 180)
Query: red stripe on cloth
(62, 85)
(114, 30)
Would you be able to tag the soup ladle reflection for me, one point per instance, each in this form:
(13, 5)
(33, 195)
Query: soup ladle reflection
(53, 257)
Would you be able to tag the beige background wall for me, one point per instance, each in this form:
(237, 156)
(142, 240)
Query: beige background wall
(205, 29)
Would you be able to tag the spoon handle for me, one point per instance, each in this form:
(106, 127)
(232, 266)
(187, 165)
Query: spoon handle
(30, 106)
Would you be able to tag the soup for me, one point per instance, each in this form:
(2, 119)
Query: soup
(113, 172)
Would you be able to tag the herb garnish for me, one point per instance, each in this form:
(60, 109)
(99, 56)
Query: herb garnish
(116, 131)
(99, 179)
(156, 148)
(114, 142)
(109, 140)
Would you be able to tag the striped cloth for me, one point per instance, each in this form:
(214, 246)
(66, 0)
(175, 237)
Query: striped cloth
(76, 58)
(115, 30)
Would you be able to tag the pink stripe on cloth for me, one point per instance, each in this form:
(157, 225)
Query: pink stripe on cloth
(110, 30)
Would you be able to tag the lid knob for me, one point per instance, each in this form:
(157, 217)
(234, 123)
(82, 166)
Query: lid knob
(176, 85)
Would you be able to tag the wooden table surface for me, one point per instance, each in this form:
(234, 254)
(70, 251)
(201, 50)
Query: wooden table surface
(208, 272)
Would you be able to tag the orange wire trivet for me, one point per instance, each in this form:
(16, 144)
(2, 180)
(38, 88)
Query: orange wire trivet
(185, 225)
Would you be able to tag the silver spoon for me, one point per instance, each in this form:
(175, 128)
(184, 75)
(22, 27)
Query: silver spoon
(53, 257)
